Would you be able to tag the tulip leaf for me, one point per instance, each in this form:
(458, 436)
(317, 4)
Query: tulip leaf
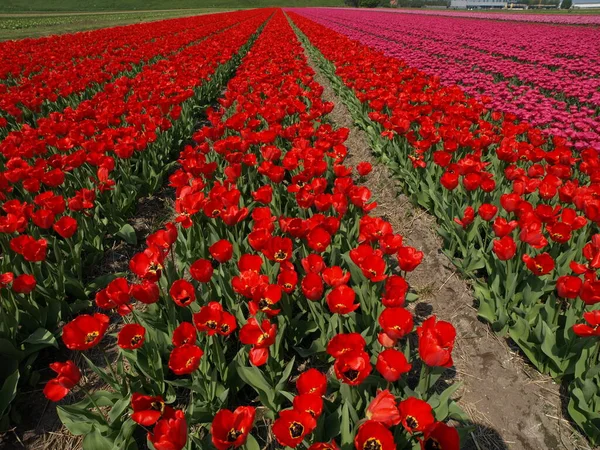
(9, 391)
(285, 376)
(95, 441)
(254, 377)
(118, 408)
(251, 443)
(41, 336)
(346, 433)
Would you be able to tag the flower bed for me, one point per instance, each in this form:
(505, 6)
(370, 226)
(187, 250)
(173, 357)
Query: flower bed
(70, 183)
(517, 210)
(273, 295)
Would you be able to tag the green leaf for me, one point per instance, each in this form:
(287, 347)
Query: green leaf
(251, 443)
(118, 408)
(285, 376)
(127, 233)
(9, 391)
(254, 377)
(43, 337)
(95, 441)
(345, 428)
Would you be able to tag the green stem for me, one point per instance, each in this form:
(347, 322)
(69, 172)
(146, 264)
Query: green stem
(110, 367)
(89, 395)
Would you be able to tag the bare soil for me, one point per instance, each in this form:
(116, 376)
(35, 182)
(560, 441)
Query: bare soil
(511, 405)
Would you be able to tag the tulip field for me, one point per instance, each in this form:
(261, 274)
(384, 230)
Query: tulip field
(272, 307)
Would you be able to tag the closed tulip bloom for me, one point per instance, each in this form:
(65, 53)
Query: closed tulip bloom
(436, 341)
(383, 409)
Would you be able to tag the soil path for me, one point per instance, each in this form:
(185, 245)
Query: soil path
(511, 405)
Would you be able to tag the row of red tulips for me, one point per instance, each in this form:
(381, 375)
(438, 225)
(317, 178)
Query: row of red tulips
(67, 186)
(271, 296)
(81, 68)
(518, 212)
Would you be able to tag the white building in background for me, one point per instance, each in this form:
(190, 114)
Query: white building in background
(586, 4)
(476, 4)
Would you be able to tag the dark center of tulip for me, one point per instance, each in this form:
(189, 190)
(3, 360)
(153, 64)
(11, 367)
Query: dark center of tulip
(215, 212)
(184, 299)
(211, 324)
(372, 444)
(155, 268)
(233, 435)
(296, 430)
(280, 255)
(263, 303)
(136, 340)
(412, 422)
(372, 271)
(351, 374)
(287, 285)
(215, 263)
(90, 337)
(224, 328)
(432, 444)
(157, 406)
(190, 362)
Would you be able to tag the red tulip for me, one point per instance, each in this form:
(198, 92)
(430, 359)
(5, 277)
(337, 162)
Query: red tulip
(391, 364)
(311, 382)
(24, 284)
(505, 248)
(185, 333)
(352, 367)
(85, 331)
(185, 359)
(487, 211)
(416, 415)
(182, 292)
(65, 226)
(364, 168)
(540, 265)
(342, 343)
(383, 409)
(170, 433)
(145, 292)
(278, 249)
(568, 286)
(341, 300)
(131, 336)
(147, 410)
(373, 435)
(592, 328)
(312, 286)
(221, 251)
(291, 427)
(201, 270)
(409, 258)
(335, 276)
(310, 403)
(436, 341)
(68, 376)
(396, 322)
(395, 290)
(440, 436)
(231, 429)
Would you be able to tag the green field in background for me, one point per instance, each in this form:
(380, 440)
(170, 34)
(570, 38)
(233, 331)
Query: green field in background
(7, 6)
